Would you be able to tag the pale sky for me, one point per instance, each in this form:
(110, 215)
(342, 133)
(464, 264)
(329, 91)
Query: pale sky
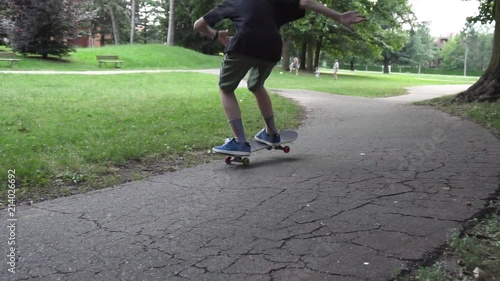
(446, 16)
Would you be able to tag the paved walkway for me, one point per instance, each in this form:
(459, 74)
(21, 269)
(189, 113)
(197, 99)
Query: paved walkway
(420, 93)
(370, 186)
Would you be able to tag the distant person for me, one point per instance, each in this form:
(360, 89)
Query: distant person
(295, 66)
(335, 69)
(255, 49)
(316, 72)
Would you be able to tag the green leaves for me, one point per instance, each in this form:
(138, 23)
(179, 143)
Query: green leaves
(42, 26)
(479, 45)
(486, 12)
(419, 49)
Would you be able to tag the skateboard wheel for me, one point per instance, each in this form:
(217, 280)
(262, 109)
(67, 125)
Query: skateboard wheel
(245, 161)
(228, 160)
(286, 149)
(269, 147)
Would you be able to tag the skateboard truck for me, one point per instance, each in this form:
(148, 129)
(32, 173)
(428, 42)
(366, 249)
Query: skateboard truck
(285, 148)
(246, 161)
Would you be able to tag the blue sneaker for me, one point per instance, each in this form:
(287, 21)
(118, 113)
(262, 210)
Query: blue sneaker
(263, 137)
(231, 147)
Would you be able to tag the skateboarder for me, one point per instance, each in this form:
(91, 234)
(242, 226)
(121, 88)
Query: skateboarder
(256, 47)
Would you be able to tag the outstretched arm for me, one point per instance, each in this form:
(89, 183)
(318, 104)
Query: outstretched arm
(347, 19)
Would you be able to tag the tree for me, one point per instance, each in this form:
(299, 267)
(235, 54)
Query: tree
(171, 23)
(3, 13)
(186, 13)
(316, 33)
(108, 17)
(481, 49)
(41, 26)
(487, 88)
(453, 53)
(308, 33)
(132, 21)
(381, 38)
(477, 44)
(391, 15)
(111, 9)
(420, 49)
(149, 15)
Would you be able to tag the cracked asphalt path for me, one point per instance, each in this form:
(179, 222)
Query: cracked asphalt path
(370, 186)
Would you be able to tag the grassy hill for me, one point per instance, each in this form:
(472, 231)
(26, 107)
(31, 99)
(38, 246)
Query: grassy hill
(151, 56)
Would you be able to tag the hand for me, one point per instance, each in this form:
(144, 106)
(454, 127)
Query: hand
(223, 37)
(350, 18)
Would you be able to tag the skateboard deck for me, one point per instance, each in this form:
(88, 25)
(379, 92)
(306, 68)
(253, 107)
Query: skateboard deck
(287, 136)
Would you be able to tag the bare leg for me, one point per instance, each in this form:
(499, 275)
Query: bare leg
(266, 108)
(233, 113)
(230, 104)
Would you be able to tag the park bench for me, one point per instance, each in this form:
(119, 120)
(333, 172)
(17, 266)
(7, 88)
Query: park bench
(109, 59)
(9, 57)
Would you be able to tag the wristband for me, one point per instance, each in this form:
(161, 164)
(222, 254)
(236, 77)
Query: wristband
(216, 35)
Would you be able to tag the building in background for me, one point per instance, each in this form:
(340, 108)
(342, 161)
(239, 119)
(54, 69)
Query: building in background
(439, 42)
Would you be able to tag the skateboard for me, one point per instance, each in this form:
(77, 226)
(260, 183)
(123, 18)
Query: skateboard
(287, 136)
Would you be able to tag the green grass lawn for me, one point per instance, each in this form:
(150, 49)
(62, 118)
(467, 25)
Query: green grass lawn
(361, 83)
(151, 56)
(486, 114)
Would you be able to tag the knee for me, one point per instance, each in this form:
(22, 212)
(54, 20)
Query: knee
(254, 89)
(257, 89)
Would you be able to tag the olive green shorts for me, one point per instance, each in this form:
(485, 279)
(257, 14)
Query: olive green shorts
(235, 67)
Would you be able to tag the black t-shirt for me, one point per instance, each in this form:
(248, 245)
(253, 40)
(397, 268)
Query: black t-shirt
(257, 25)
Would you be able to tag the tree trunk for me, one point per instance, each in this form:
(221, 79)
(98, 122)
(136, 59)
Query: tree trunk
(102, 39)
(310, 55)
(285, 52)
(132, 23)
(113, 23)
(465, 58)
(303, 53)
(487, 88)
(171, 23)
(319, 43)
(387, 61)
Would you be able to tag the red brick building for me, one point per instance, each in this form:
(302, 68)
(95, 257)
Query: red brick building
(440, 42)
(85, 38)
